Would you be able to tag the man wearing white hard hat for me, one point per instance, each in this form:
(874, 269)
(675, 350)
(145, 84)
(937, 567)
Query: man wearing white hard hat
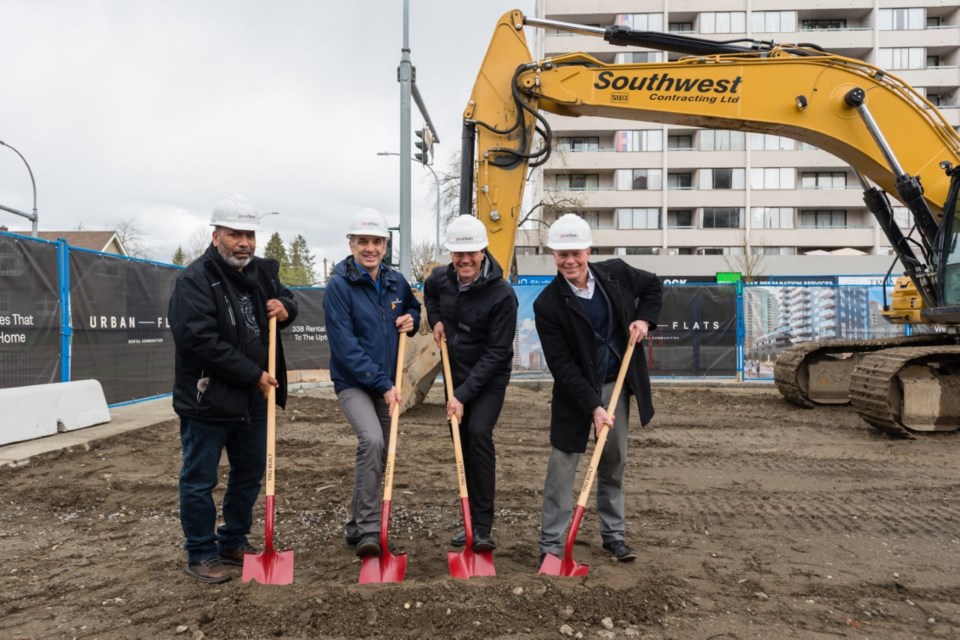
(219, 314)
(471, 306)
(366, 306)
(585, 319)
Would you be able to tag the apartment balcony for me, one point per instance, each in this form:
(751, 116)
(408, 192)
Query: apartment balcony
(555, 44)
(627, 237)
(824, 238)
(951, 114)
(693, 198)
(932, 77)
(841, 41)
(607, 198)
(943, 37)
(800, 158)
(572, 10)
(687, 237)
(851, 197)
(693, 159)
(607, 160)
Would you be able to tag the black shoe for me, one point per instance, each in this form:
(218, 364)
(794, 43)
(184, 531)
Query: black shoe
(620, 551)
(483, 542)
(352, 541)
(369, 546)
(460, 539)
(211, 571)
(235, 556)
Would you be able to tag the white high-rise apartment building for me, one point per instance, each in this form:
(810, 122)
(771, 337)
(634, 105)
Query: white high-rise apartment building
(691, 201)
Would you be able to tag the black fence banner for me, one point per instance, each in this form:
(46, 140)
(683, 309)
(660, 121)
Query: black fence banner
(305, 343)
(121, 334)
(697, 332)
(29, 312)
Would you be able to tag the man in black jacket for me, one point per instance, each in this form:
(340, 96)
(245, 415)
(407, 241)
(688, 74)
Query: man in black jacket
(585, 319)
(219, 314)
(471, 306)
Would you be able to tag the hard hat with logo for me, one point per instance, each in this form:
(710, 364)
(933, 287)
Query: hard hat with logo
(368, 222)
(466, 234)
(235, 212)
(571, 232)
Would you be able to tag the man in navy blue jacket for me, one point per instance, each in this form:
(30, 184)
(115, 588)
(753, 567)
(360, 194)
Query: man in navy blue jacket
(366, 306)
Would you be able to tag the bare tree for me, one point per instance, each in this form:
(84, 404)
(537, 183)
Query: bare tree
(130, 236)
(421, 260)
(197, 244)
(749, 262)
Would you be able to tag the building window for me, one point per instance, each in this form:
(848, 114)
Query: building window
(578, 181)
(639, 179)
(771, 217)
(823, 219)
(823, 180)
(774, 251)
(721, 140)
(823, 24)
(592, 218)
(723, 22)
(646, 140)
(635, 57)
(709, 251)
(679, 181)
(726, 178)
(640, 251)
(774, 21)
(680, 142)
(773, 178)
(646, 218)
(578, 143)
(901, 19)
(902, 58)
(680, 219)
(768, 142)
(901, 216)
(720, 218)
(933, 62)
(641, 21)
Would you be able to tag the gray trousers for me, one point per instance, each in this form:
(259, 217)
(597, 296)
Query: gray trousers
(369, 416)
(558, 489)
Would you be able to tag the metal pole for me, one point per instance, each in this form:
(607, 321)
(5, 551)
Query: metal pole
(436, 247)
(33, 218)
(405, 73)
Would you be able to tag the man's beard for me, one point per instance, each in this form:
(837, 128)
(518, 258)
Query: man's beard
(236, 263)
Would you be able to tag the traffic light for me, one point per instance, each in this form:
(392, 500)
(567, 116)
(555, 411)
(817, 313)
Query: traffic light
(425, 144)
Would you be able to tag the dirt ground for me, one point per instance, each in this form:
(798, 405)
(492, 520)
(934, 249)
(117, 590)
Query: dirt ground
(752, 519)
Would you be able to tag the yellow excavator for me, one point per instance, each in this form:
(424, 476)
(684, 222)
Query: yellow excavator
(895, 140)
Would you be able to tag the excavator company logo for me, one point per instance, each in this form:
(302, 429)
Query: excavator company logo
(665, 88)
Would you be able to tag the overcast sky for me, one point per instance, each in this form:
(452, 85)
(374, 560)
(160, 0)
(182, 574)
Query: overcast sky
(152, 110)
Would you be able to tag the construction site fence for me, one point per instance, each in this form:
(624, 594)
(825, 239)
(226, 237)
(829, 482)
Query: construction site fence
(73, 314)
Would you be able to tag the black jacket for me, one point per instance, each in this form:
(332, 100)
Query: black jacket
(209, 337)
(569, 346)
(480, 324)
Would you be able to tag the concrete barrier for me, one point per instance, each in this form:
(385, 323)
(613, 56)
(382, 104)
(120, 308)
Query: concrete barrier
(45, 409)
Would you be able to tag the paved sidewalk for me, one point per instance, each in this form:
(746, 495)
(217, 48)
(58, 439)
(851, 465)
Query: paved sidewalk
(122, 419)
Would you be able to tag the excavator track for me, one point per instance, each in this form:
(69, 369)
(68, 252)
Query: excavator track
(908, 390)
(792, 371)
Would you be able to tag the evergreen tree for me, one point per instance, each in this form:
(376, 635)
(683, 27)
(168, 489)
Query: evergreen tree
(301, 263)
(179, 257)
(276, 251)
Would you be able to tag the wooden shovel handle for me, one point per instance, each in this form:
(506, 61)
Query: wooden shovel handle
(602, 436)
(394, 422)
(272, 408)
(457, 449)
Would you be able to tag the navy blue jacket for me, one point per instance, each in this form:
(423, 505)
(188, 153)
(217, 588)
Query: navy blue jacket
(361, 326)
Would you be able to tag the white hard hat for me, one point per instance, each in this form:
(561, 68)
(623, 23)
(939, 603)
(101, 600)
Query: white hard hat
(466, 233)
(368, 222)
(570, 231)
(235, 212)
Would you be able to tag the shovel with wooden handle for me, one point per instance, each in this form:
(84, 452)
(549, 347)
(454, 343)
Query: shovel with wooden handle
(568, 567)
(467, 563)
(269, 566)
(388, 567)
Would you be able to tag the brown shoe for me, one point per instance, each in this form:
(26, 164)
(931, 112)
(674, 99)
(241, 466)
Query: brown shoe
(235, 556)
(210, 570)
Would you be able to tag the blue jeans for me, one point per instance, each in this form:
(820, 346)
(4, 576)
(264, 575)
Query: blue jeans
(203, 443)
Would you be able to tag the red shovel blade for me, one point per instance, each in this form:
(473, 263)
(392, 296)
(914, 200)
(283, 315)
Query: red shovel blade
(269, 567)
(386, 568)
(565, 568)
(568, 567)
(468, 563)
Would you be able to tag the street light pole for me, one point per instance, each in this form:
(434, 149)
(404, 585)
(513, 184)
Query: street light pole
(32, 217)
(436, 248)
(264, 215)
